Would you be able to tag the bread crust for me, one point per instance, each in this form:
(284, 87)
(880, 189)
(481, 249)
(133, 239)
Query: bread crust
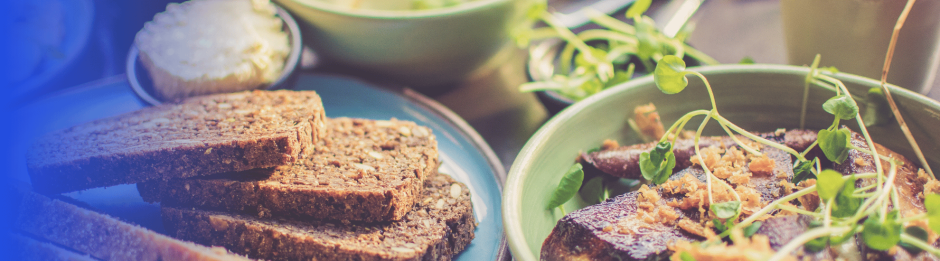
(364, 170)
(102, 236)
(440, 226)
(202, 136)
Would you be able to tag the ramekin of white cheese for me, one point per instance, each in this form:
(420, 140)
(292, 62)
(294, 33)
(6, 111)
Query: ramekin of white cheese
(203, 47)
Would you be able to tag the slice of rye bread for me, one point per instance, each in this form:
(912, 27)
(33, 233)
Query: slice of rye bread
(440, 226)
(201, 136)
(27, 248)
(100, 235)
(363, 170)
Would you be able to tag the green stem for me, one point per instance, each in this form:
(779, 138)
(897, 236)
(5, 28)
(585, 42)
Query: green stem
(699, 55)
(864, 210)
(914, 218)
(884, 205)
(789, 198)
(707, 86)
(764, 141)
(677, 46)
(866, 151)
(565, 58)
(920, 244)
(835, 124)
(774, 204)
(797, 242)
(799, 211)
(895, 202)
(861, 126)
(569, 36)
(599, 34)
(605, 20)
(685, 118)
(698, 153)
(735, 137)
(818, 166)
(809, 78)
(811, 146)
(621, 50)
(866, 188)
(543, 33)
(708, 173)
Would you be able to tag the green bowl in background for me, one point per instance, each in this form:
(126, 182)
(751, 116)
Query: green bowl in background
(418, 48)
(759, 98)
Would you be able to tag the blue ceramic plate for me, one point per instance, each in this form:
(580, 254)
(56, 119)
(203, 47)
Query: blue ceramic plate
(465, 155)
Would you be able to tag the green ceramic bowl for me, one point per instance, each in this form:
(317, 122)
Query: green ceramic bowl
(755, 97)
(418, 48)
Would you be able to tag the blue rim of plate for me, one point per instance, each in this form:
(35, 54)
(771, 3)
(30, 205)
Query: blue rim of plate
(112, 96)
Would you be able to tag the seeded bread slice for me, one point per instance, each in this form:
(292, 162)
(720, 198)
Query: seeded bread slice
(100, 235)
(201, 136)
(363, 170)
(440, 226)
(29, 249)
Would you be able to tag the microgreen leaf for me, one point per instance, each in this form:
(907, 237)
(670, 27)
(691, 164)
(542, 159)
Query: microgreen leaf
(846, 205)
(648, 43)
(882, 236)
(669, 75)
(597, 53)
(725, 210)
(536, 10)
(828, 184)
(746, 60)
(803, 171)
(917, 232)
(657, 164)
(619, 77)
(839, 239)
(750, 230)
(722, 227)
(818, 243)
(841, 106)
(685, 256)
(567, 187)
(877, 110)
(932, 203)
(638, 8)
(596, 149)
(593, 190)
(592, 86)
(834, 144)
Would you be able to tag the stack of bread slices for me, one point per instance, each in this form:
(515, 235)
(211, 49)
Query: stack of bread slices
(262, 174)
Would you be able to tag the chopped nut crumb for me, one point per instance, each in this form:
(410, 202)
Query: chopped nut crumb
(692, 227)
(609, 144)
(647, 119)
(763, 164)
